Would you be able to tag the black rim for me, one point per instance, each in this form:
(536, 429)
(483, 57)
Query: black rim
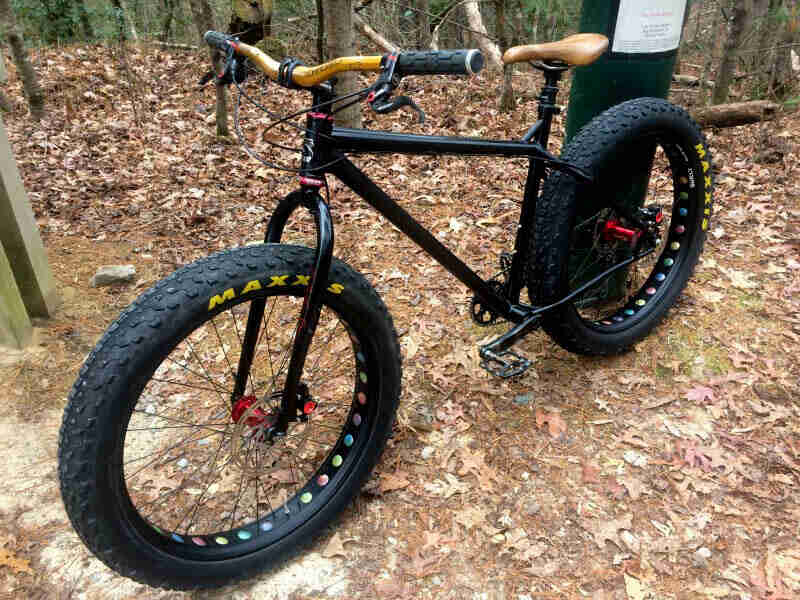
(199, 485)
(630, 298)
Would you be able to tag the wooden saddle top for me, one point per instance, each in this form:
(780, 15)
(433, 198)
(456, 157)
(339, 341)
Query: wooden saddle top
(576, 50)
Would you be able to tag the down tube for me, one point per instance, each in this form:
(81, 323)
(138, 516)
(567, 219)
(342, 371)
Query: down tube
(362, 185)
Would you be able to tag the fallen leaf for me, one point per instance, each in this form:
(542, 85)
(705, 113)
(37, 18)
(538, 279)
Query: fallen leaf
(555, 424)
(390, 588)
(334, 547)
(392, 481)
(607, 529)
(700, 393)
(19, 565)
(635, 589)
(590, 473)
(633, 485)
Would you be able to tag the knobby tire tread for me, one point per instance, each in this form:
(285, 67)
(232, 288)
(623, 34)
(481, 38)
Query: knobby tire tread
(78, 436)
(556, 211)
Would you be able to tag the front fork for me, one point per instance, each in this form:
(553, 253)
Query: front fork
(309, 198)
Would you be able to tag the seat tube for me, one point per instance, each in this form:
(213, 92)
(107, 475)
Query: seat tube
(536, 174)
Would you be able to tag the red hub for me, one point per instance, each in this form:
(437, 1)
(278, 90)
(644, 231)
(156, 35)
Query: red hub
(613, 230)
(257, 418)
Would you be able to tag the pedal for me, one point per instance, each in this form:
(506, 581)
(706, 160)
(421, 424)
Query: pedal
(503, 364)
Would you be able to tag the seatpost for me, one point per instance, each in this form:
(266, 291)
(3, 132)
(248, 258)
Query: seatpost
(547, 100)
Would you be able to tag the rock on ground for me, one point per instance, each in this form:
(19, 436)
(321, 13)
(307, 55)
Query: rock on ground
(110, 274)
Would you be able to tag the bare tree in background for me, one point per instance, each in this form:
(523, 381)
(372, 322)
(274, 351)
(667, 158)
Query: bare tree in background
(341, 42)
(737, 15)
(507, 103)
(124, 21)
(423, 24)
(30, 82)
(83, 15)
(482, 39)
(204, 20)
(782, 79)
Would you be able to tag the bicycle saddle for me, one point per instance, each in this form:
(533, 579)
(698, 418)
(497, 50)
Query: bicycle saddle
(576, 50)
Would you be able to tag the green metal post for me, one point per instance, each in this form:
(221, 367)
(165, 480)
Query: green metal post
(643, 46)
(644, 39)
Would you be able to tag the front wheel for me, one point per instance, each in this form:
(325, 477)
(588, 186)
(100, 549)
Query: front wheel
(171, 479)
(649, 160)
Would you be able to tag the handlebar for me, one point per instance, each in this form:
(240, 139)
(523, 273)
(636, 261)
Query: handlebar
(440, 62)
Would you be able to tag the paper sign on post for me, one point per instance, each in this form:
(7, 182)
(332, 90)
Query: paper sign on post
(648, 26)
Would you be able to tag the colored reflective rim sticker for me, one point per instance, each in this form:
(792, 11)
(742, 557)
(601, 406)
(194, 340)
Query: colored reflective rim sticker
(322, 480)
(683, 212)
(157, 529)
(363, 377)
(362, 398)
(348, 440)
(606, 322)
(680, 229)
(684, 195)
(360, 357)
(618, 319)
(177, 538)
(266, 526)
(629, 312)
(336, 461)
(641, 302)
(243, 534)
(668, 262)
(660, 277)
(675, 245)
(305, 497)
(199, 541)
(650, 291)
(356, 419)
(222, 541)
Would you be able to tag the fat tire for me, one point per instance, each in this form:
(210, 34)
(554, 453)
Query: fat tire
(98, 399)
(595, 149)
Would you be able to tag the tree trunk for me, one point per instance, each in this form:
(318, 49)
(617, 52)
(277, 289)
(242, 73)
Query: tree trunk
(730, 52)
(341, 42)
(204, 21)
(373, 35)
(710, 56)
(507, 103)
(166, 26)
(766, 45)
(320, 31)
(423, 24)
(86, 24)
(783, 79)
(122, 19)
(30, 82)
(738, 113)
(482, 39)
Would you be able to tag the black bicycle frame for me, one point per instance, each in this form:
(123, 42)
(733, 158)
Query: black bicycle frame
(324, 152)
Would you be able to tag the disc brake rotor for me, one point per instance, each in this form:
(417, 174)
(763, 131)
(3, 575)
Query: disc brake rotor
(253, 449)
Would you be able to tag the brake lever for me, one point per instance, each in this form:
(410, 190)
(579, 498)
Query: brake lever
(395, 104)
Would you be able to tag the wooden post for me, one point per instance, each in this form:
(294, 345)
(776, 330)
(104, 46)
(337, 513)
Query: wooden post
(20, 239)
(15, 326)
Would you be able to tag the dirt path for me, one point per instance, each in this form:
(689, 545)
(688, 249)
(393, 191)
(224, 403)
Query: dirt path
(670, 472)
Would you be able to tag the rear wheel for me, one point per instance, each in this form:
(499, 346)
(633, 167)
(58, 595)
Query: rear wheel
(171, 480)
(649, 158)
